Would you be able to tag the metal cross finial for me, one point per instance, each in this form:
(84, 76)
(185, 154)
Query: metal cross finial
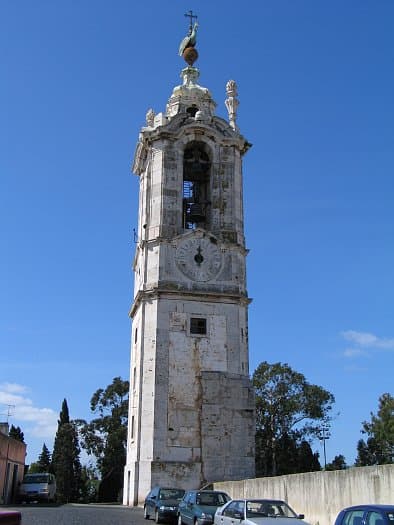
(191, 16)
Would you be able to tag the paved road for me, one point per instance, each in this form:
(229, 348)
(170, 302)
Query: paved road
(74, 514)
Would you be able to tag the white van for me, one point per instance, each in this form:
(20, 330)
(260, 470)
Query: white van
(38, 487)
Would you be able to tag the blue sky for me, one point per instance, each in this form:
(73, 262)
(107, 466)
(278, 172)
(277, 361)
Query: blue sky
(316, 88)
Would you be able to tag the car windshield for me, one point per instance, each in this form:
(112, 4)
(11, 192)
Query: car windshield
(211, 499)
(171, 494)
(43, 478)
(268, 509)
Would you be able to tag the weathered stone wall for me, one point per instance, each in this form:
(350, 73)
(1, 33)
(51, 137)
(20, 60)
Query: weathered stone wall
(191, 407)
(227, 423)
(320, 495)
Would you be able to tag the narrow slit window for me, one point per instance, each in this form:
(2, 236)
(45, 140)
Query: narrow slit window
(198, 325)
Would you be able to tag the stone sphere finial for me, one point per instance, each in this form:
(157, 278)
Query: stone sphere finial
(190, 55)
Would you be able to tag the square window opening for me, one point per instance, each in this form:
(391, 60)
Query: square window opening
(198, 325)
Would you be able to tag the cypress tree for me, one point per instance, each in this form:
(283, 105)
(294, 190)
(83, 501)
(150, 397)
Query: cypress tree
(65, 458)
(44, 460)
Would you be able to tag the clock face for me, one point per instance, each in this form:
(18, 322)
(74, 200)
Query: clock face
(200, 259)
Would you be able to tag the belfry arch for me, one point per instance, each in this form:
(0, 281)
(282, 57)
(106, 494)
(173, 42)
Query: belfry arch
(197, 166)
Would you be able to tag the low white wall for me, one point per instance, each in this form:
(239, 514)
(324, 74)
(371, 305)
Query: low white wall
(320, 495)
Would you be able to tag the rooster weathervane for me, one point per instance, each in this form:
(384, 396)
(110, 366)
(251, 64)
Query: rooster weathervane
(187, 48)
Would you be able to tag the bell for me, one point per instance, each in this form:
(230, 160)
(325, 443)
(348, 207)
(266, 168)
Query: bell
(195, 213)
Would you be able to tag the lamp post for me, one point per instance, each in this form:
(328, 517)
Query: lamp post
(323, 437)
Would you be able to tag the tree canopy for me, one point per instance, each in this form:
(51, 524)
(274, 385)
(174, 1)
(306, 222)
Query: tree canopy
(90, 485)
(378, 449)
(289, 411)
(105, 437)
(16, 433)
(338, 463)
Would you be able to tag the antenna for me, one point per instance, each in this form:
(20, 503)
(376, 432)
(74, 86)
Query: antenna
(8, 413)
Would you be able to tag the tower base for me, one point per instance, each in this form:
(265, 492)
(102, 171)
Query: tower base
(226, 450)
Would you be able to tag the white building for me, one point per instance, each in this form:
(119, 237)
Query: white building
(191, 404)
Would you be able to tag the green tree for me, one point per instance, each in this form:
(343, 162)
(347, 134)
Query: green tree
(44, 460)
(366, 453)
(338, 463)
(90, 485)
(292, 456)
(105, 436)
(286, 454)
(308, 461)
(379, 447)
(287, 407)
(34, 468)
(16, 433)
(65, 458)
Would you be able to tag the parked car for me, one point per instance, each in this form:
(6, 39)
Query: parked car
(198, 507)
(366, 515)
(37, 487)
(162, 503)
(10, 517)
(257, 512)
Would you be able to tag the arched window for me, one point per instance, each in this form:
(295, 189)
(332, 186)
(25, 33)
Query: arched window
(192, 110)
(196, 174)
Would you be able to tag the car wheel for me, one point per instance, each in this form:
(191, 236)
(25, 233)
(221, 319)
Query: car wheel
(157, 518)
(146, 515)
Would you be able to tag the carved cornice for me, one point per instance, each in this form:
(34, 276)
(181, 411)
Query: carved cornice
(218, 131)
(200, 232)
(195, 295)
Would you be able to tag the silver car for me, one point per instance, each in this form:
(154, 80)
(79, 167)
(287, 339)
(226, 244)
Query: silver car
(38, 487)
(257, 512)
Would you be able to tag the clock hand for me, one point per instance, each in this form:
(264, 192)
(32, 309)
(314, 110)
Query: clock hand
(198, 257)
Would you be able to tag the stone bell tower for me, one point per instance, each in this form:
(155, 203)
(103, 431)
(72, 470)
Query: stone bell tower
(191, 404)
